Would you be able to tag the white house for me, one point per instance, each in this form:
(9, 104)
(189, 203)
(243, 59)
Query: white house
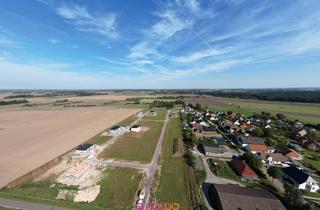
(236, 122)
(301, 179)
(115, 130)
(135, 128)
(84, 150)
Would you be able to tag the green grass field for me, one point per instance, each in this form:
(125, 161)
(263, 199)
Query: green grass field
(308, 113)
(161, 114)
(136, 146)
(118, 191)
(4, 208)
(172, 186)
(119, 188)
(222, 169)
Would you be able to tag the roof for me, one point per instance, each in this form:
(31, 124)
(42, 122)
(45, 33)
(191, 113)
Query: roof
(252, 140)
(116, 127)
(243, 169)
(292, 154)
(84, 147)
(135, 126)
(208, 129)
(275, 157)
(232, 197)
(214, 149)
(295, 174)
(258, 147)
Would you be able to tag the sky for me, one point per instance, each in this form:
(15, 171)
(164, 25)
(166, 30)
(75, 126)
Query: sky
(147, 44)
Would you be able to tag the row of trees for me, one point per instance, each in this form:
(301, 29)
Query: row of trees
(22, 101)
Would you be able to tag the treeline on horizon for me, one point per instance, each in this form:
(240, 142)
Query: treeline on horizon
(289, 96)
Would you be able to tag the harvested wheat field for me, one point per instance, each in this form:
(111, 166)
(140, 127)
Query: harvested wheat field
(28, 139)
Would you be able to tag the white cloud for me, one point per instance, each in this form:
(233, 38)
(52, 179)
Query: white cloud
(143, 62)
(7, 42)
(306, 42)
(142, 50)
(196, 56)
(169, 25)
(54, 41)
(85, 21)
(112, 61)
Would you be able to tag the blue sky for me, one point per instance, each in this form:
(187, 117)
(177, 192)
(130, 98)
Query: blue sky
(104, 44)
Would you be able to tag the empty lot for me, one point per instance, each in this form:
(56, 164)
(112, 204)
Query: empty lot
(29, 139)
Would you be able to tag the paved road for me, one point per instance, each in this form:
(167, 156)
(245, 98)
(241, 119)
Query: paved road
(155, 162)
(26, 205)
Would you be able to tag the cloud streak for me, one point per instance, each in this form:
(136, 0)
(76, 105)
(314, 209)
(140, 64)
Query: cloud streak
(83, 20)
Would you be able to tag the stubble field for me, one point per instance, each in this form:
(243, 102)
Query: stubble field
(30, 138)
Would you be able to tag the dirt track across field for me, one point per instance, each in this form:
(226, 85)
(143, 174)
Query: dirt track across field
(29, 139)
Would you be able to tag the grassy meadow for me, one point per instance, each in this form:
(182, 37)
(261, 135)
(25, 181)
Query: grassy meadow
(135, 146)
(172, 184)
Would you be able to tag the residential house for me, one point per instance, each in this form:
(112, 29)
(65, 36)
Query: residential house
(152, 113)
(294, 155)
(233, 197)
(300, 179)
(213, 150)
(246, 140)
(136, 128)
(244, 170)
(84, 150)
(115, 130)
(257, 148)
(274, 158)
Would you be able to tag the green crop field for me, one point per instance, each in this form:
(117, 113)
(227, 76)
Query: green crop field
(136, 146)
(172, 186)
(308, 113)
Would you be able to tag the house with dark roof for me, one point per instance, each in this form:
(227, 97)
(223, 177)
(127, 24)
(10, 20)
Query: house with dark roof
(300, 179)
(243, 170)
(84, 150)
(246, 140)
(233, 197)
(213, 150)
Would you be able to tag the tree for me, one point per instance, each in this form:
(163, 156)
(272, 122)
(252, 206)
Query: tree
(190, 138)
(275, 172)
(293, 197)
(281, 116)
(254, 162)
(258, 132)
(267, 132)
(313, 135)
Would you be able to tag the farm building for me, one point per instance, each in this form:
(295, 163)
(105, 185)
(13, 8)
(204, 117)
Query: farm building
(136, 128)
(115, 130)
(232, 197)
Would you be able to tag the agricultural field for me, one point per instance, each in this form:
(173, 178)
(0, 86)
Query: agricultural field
(119, 187)
(305, 112)
(172, 184)
(136, 146)
(31, 138)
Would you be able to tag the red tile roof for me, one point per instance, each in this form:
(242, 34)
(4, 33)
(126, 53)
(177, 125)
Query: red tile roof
(258, 148)
(243, 169)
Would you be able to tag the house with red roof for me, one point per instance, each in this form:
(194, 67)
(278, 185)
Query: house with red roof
(244, 170)
(257, 148)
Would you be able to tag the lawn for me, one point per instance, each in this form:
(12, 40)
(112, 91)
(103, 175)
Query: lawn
(222, 169)
(311, 159)
(118, 189)
(172, 186)
(136, 146)
(128, 121)
(4, 208)
(161, 114)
